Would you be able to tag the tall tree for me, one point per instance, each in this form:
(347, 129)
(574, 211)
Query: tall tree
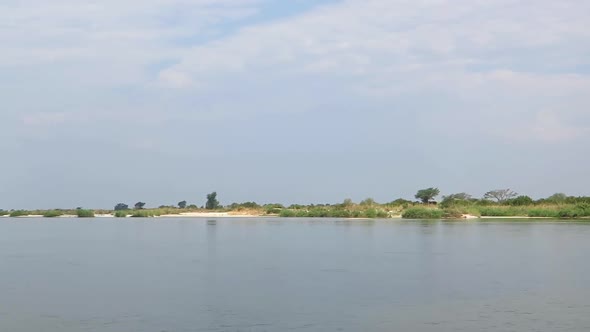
(500, 195)
(139, 205)
(427, 195)
(212, 202)
(121, 207)
(182, 205)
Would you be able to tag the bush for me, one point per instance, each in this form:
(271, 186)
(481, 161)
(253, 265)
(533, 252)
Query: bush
(85, 213)
(4, 213)
(543, 213)
(287, 214)
(273, 210)
(19, 213)
(420, 212)
(120, 214)
(520, 201)
(52, 214)
(371, 213)
(453, 213)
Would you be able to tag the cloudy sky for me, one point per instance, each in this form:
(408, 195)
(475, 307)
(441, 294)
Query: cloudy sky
(292, 101)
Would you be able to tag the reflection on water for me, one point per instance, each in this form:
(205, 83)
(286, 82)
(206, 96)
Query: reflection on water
(293, 274)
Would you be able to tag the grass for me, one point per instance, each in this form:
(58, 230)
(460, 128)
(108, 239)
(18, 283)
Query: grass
(52, 214)
(421, 212)
(85, 213)
(330, 212)
(121, 214)
(19, 213)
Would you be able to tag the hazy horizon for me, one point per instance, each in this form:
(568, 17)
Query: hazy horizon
(290, 102)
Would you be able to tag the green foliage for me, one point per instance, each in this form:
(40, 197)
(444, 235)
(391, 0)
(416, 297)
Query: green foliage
(19, 213)
(120, 214)
(4, 213)
(81, 213)
(558, 198)
(121, 207)
(543, 213)
(401, 202)
(139, 205)
(520, 201)
(500, 195)
(347, 203)
(212, 202)
(427, 195)
(420, 212)
(368, 202)
(52, 213)
(453, 213)
(576, 211)
(182, 205)
(460, 199)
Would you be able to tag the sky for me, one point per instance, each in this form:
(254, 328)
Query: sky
(290, 101)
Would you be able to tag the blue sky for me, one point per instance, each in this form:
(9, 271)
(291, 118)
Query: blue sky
(290, 101)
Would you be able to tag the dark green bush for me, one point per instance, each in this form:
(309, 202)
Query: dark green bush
(543, 213)
(371, 213)
(121, 214)
(419, 212)
(52, 214)
(19, 213)
(85, 213)
(287, 213)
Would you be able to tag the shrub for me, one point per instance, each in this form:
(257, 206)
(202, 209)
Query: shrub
(371, 213)
(52, 214)
(453, 213)
(85, 213)
(543, 213)
(287, 213)
(419, 212)
(120, 214)
(382, 214)
(520, 201)
(273, 210)
(19, 213)
(4, 213)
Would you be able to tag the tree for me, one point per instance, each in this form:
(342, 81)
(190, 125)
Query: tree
(212, 202)
(347, 203)
(500, 195)
(427, 195)
(557, 198)
(182, 205)
(454, 199)
(520, 201)
(368, 202)
(139, 205)
(121, 207)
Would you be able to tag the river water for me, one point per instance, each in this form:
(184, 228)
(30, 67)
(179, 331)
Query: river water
(177, 275)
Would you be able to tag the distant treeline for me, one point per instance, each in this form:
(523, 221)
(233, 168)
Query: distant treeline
(495, 203)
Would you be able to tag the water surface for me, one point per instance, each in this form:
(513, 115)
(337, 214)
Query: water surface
(181, 275)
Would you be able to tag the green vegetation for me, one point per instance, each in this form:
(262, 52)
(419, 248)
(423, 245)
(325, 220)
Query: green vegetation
(120, 214)
(427, 195)
(495, 203)
(212, 202)
(19, 213)
(81, 213)
(421, 212)
(52, 213)
(121, 207)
